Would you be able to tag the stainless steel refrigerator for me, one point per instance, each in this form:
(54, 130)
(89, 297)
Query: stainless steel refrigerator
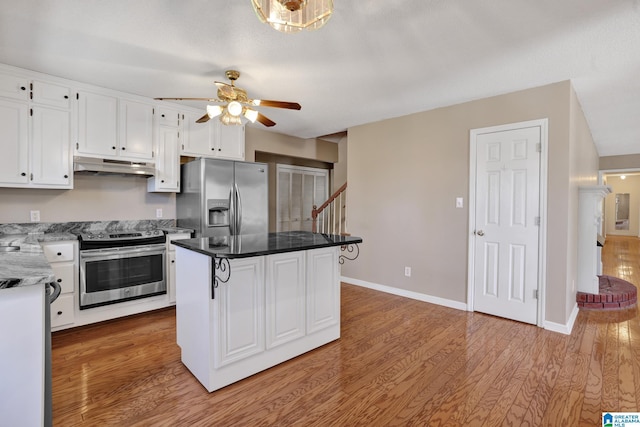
(223, 197)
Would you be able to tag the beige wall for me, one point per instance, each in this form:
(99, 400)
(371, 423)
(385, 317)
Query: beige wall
(94, 198)
(405, 173)
(583, 171)
(276, 143)
(630, 161)
(631, 185)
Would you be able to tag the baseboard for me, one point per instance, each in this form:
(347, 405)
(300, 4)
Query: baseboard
(407, 294)
(566, 328)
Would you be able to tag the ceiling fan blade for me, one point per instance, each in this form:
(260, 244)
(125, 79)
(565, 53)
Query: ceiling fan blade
(277, 104)
(265, 120)
(203, 119)
(188, 99)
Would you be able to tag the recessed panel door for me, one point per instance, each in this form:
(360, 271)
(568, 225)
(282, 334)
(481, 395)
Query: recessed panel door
(507, 215)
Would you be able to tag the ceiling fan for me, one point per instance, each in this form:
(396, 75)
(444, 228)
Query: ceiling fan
(237, 103)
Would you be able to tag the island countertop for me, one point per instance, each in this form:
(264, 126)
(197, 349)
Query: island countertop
(250, 245)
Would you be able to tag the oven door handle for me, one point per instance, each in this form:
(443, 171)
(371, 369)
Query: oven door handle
(127, 251)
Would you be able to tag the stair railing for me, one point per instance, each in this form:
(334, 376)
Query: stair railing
(331, 216)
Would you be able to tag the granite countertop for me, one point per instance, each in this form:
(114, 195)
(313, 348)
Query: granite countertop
(28, 266)
(250, 245)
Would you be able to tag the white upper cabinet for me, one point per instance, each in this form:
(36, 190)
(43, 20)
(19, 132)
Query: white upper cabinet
(136, 129)
(167, 177)
(211, 139)
(111, 127)
(14, 87)
(97, 124)
(14, 161)
(35, 126)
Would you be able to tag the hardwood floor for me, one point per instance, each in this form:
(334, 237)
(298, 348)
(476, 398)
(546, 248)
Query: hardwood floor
(399, 362)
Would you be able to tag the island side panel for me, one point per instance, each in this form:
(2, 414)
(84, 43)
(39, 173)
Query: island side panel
(323, 289)
(193, 317)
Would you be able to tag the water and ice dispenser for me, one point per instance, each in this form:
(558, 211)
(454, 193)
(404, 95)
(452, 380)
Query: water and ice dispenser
(218, 212)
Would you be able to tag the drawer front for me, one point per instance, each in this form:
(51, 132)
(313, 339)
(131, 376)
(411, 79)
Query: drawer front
(62, 311)
(64, 276)
(58, 252)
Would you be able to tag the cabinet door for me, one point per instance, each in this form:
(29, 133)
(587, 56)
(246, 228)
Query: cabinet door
(230, 142)
(168, 161)
(197, 138)
(51, 94)
(15, 87)
(51, 151)
(238, 313)
(97, 124)
(285, 297)
(14, 139)
(136, 130)
(323, 289)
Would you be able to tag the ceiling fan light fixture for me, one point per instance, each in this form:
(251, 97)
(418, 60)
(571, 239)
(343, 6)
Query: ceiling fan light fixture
(250, 114)
(292, 16)
(214, 111)
(234, 108)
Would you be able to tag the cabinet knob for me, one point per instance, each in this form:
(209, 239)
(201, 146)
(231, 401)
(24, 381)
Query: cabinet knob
(213, 149)
(113, 147)
(66, 97)
(59, 312)
(59, 280)
(23, 174)
(162, 115)
(162, 180)
(219, 149)
(23, 88)
(173, 261)
(66, 176)
(59, 253)
(123, 148)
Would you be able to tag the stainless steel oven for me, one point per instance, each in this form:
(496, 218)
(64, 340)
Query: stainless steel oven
(121, 266)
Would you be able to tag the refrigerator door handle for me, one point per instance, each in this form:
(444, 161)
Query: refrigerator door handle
(232, 211)
(239, 209)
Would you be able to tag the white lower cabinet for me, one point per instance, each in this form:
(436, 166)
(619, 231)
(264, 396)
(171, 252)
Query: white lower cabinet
(285, 286)
(171, 264)
(62, 257)
(272, 309)
(238, 312)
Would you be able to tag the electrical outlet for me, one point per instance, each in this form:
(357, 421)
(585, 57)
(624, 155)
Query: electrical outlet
(407, 271)
(158, 213)
(35, 216)
(459, 202)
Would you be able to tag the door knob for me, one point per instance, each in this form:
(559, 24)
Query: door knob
(480, 233)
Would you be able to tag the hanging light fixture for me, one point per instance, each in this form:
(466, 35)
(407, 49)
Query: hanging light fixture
(292, 16)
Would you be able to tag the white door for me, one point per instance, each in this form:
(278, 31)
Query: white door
(505, 235)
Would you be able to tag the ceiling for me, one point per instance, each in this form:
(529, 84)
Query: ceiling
(373, 60)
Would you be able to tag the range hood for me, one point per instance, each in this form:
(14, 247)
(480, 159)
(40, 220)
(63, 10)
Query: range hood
(105, 166)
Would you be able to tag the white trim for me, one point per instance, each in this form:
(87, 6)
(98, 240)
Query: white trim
(566, 328)
(542, 233)
(405, 293)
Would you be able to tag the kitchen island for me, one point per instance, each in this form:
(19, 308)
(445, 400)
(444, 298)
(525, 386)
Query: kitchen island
(247, 303)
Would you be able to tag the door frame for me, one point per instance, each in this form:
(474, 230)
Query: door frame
(542, 231)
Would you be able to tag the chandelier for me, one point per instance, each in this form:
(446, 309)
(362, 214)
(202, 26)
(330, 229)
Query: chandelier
(292, 16)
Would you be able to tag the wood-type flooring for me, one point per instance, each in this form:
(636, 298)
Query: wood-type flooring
(399, 362)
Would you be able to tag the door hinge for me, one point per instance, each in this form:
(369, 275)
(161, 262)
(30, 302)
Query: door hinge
(539, 147)
(77, 95)
(535, 294)
(77, 146)
(537, 220)
(31, 112)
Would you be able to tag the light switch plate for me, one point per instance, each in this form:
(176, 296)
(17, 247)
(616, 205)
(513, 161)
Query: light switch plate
(459, 202)
(35, 216)
(159, 213)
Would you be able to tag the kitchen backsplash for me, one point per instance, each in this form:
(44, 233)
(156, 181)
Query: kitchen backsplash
(85, 226)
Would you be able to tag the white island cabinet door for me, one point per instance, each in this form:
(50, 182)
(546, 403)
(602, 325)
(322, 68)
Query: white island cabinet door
(323, 289)
(285, 298)
(238, 312)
